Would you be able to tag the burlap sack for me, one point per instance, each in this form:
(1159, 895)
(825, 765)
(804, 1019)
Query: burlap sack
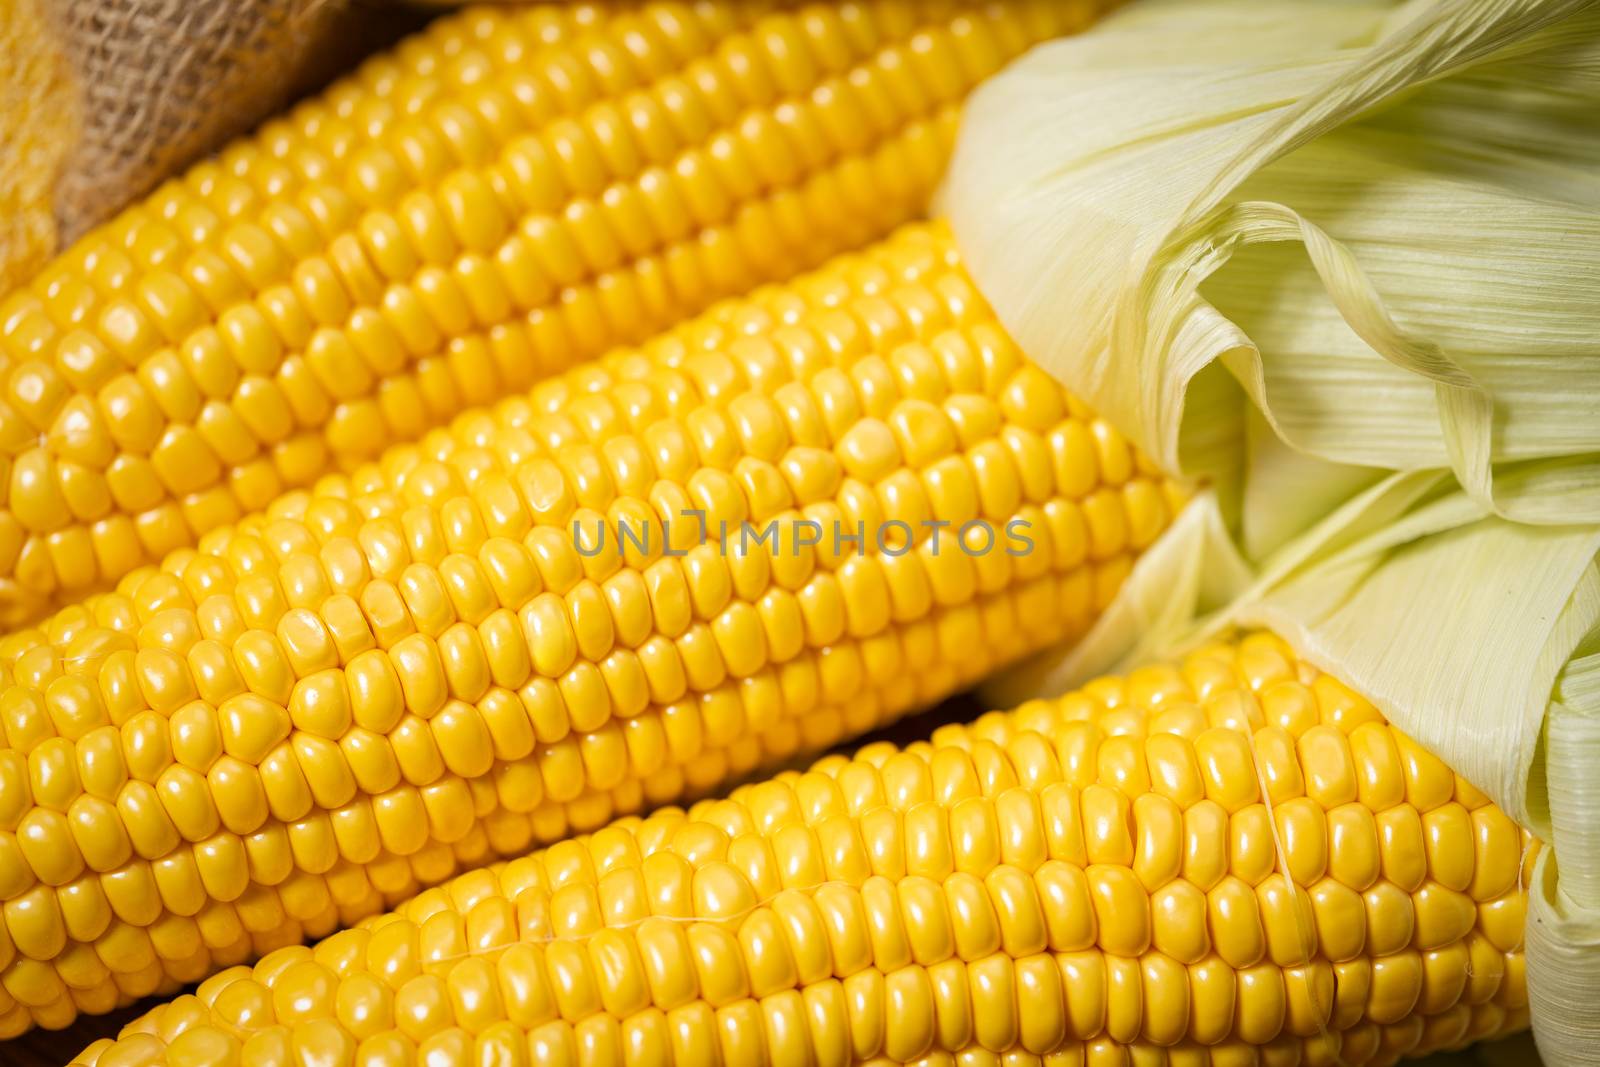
(100, 100)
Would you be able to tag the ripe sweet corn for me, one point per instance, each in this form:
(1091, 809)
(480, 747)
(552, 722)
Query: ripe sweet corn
(414, 669)
(504, 195)
(1230, 861)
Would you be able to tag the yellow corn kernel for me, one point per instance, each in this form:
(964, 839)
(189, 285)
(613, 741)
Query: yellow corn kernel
(932, 905)
(435, 660)
(498, 198)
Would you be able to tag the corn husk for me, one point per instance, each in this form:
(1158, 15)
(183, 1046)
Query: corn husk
(1341, 261)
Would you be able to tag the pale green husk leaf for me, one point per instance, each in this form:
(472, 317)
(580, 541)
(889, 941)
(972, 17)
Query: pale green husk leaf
(1340, 261)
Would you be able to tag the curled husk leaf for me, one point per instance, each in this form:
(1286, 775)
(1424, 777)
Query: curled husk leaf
(1341, 262)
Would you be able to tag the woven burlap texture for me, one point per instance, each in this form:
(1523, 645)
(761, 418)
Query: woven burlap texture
(101, 100)
(163, 81)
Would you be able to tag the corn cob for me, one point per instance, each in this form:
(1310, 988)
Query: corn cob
(413, 669)
(506, 194)
(1233, 860)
